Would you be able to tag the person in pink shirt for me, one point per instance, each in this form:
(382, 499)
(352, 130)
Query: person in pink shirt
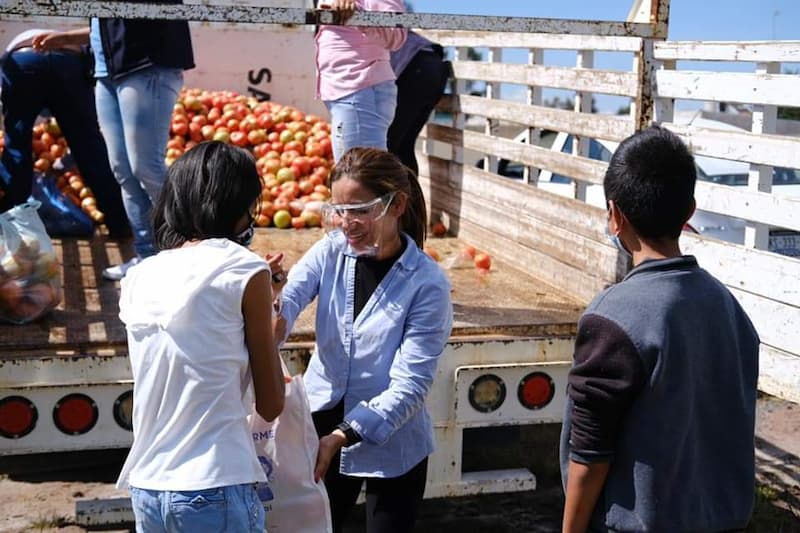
(354, 76)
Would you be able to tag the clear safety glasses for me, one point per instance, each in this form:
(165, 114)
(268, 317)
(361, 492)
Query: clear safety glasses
(334, 215)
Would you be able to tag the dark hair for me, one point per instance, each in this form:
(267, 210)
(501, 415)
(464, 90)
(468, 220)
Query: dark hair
(651, 179)
(381, 173)
(207, 192)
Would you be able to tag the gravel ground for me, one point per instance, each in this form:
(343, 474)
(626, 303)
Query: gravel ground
(45, 501)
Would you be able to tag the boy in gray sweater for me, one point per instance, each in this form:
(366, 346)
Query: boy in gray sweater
(659, 425)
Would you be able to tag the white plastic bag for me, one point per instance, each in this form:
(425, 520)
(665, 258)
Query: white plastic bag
(30, 277)
(287, 449)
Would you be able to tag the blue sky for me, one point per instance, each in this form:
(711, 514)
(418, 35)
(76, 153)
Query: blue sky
(689, 20)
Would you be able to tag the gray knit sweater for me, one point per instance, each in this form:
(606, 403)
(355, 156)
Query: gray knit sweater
(663, 387)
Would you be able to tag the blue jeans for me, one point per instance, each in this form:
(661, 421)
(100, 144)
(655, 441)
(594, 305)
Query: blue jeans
(217, 510)
(362, 118)
(135, 112)
(57, 81)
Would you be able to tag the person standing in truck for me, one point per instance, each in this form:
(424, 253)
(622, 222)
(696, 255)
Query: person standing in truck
(139, 66)
(60, 81)
(658, 433)
(422, 74)
(354, 76)
(383, 319)
(198, 317)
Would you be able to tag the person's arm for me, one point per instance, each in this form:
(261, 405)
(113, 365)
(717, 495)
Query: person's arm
(268, 382)
(59, 39)
(584, 484)
(301, 287)
(606, 376)
(426, 330)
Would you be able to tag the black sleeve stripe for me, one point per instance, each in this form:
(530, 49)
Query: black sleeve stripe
(606, 377)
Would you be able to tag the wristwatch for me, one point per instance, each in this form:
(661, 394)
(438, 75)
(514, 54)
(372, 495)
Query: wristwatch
(349, 433)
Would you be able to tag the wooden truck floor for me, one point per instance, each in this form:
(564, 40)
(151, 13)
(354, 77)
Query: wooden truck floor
(503, 302)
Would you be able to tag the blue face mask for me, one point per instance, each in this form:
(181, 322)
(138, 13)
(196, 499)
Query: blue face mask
(615, 240)
(245, 237)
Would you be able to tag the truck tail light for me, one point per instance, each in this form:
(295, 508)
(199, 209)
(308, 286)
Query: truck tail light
(18, 417)
(487, 393)
(123, 410)
(536, 390)
(75, 414)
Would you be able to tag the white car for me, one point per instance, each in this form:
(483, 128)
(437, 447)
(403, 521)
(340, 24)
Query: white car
(786, 182)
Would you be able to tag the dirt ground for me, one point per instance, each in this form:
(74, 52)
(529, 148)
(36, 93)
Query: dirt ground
(45, 501)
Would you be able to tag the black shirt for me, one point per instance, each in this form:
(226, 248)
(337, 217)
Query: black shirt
(369, 273)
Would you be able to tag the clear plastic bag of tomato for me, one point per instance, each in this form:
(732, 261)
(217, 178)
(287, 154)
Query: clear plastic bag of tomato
(30, 276)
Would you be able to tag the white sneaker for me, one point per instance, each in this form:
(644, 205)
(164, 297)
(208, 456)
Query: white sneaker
(117, 272)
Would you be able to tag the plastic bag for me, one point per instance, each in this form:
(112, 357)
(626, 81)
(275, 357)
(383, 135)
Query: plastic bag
(61, 217)
(30, 277)
(287, 449)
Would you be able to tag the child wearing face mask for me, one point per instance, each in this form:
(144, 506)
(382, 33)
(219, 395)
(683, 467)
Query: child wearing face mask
(383, 319)
(198, 316)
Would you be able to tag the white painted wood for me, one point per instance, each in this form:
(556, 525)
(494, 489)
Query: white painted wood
(769, 275)
(758, 51)
(579, 168)
(228, 13)
(533, 98)
(639, 11)
(777, 323)
(533, 40)
(779, 373)
(530, 229)
(570, 280)
(537, 116)
(492, 93)
(761, 207)
(664, 108)
(583, 104)
(758, 148)
(597, 81)
(764, 119)
(458, 118)
(580, 218)
(766, 89)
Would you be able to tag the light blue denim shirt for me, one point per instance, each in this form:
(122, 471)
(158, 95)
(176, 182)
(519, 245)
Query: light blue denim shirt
(383, 363)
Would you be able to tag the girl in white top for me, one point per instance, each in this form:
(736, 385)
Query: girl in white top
(198, 316)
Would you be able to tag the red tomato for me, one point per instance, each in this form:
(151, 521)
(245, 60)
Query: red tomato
(239, 138)
(483, 261)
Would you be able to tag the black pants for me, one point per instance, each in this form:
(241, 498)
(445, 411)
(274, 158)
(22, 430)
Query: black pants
(392, 503)
(58, 81)
(419, 88)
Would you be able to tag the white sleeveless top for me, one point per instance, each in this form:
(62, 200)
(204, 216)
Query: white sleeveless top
(192, 383)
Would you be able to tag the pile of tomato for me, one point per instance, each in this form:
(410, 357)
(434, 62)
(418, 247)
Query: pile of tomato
(292, 150)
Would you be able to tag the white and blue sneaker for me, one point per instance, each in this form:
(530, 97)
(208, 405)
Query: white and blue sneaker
(117, 272)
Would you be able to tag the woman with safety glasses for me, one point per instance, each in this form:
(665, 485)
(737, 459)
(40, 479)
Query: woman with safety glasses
(383, 318)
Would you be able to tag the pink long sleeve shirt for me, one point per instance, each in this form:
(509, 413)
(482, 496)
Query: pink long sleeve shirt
(351, 58)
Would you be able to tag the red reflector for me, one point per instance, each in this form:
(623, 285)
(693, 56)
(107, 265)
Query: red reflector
(536, 390)
(18, 417)
(75, 414)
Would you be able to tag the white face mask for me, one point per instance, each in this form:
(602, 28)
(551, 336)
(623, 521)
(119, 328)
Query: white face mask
(357, 227)
(615, 240)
